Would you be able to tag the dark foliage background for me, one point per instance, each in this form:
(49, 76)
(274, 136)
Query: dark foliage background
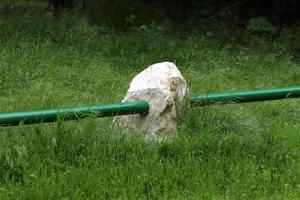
(122, 13)
(126, 12)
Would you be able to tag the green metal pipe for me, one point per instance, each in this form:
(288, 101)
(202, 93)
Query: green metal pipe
(51, 115)
(142, 107)
(245, 96)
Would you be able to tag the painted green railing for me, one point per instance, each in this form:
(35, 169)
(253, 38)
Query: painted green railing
(245, 96)
(142, 107)
(52, 115)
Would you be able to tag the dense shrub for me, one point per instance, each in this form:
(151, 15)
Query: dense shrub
(123, 14)
(128, 12)
(261, 25)
(58, 5)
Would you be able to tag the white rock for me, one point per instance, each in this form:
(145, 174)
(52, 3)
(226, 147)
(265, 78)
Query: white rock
(164, 88)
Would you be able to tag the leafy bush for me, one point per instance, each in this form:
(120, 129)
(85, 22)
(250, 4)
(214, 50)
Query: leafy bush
(123, 14)
(261, 25)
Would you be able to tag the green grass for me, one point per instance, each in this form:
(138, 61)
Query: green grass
(248, 151)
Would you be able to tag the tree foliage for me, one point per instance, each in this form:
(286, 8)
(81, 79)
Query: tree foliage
(58, 5)
(126, 12)
(238, 11)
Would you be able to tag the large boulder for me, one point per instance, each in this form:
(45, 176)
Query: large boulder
(166, 91)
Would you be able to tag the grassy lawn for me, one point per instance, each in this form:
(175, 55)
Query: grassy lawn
(248, 151)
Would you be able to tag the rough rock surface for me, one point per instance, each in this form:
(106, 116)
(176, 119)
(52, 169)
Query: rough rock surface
(164, 88)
